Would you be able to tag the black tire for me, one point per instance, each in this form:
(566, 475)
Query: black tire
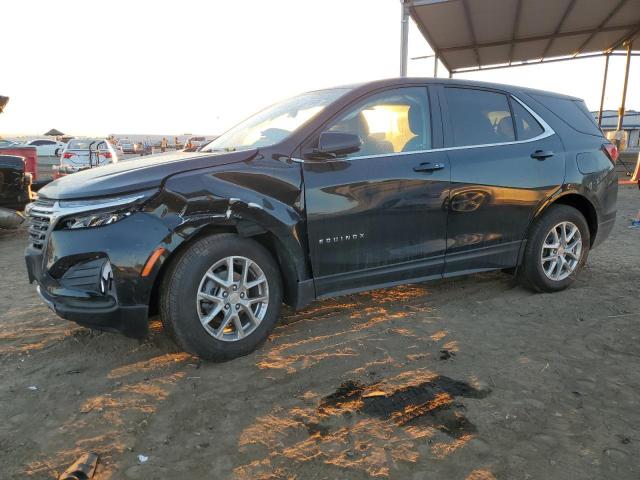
(531, 273)
(179, 292)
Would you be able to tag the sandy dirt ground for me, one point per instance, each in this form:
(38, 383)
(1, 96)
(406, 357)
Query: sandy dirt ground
(471, 379)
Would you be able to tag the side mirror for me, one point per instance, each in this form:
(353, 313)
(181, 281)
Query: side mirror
(334, 145)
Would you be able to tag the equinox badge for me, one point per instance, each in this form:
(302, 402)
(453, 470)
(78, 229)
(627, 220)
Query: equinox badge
(341, 238)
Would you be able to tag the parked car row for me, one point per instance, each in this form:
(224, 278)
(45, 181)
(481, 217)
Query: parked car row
(8, 143)
(47, 147)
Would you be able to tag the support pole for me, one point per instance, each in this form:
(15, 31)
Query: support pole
(404, 38)
(435, 66)
(604, 88)
(624, 88)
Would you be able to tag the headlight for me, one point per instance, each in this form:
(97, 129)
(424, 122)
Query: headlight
(99, 211)
(93, 220)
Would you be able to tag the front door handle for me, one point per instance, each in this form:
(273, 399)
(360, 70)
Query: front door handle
(428, 167)
(541, 154)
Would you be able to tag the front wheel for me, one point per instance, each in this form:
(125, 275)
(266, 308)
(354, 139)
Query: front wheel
(557, 249)
(221, 298)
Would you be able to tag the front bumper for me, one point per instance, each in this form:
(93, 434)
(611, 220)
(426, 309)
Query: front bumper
(100, 315)
(92, 276)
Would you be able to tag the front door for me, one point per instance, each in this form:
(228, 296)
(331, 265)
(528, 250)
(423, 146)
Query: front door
(504, 163)
(378, 216)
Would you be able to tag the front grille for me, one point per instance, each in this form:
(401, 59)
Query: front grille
(40, 213)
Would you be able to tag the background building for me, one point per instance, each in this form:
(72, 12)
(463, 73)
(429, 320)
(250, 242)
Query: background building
(630, 125)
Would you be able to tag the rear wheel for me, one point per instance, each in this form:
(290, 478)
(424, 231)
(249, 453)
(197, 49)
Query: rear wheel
(557, 249)
(222, 297)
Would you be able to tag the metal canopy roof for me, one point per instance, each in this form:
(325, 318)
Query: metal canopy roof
(475, 34)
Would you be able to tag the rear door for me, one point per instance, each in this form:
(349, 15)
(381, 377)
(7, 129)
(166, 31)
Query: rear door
(376, 217)
(505, 160)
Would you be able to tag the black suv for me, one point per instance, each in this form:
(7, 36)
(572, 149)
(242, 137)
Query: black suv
(331, 192)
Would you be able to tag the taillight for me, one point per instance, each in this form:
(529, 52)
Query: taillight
(106, 154)
(612, 151)
(68, 155)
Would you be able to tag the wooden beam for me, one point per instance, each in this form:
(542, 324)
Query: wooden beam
(516, 28)
(553, 60)
(563, 18)
(427, 37)
(626, 38)
(467, 15)
(604, 88)
(615, 10)
(538, 37)
(624, 88)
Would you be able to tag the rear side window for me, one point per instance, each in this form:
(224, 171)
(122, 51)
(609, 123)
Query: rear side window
(479, 117)
(527, 126)
(572, 112)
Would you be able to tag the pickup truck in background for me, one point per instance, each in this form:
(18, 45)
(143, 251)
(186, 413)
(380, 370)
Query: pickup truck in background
(15, 190)
(30, 155)
(18, 171)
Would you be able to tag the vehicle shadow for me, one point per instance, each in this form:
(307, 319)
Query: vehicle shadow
(354, 387)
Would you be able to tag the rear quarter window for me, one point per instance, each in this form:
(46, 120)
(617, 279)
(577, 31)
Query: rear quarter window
(526, 125)
(573, 112)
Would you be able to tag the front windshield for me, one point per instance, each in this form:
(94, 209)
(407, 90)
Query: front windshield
(274, 123)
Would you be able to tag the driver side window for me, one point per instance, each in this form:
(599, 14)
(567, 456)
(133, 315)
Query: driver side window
(393, 121)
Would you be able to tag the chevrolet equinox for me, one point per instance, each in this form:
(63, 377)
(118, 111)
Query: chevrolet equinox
(328, 193)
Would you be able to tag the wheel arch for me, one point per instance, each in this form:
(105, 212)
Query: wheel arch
(579, 202)
(292, 270)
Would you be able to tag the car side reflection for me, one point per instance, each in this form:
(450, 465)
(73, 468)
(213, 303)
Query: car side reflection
(468, 200)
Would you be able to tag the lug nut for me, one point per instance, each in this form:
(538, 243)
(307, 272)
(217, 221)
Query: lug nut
(242, 295)
(237, 307)
(224, 294)
(235, 287)
(227, 306)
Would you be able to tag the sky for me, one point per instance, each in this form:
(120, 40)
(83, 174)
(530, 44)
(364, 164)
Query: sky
(196, 66)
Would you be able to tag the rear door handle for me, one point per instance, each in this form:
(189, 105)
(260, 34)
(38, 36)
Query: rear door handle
(428, 167)
(541, 154)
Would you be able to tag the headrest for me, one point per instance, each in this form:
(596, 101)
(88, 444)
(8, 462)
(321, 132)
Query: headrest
(416, 122)
(505, 128)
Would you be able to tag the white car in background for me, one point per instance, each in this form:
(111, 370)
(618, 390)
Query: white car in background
(46, 147)
(127, 146)
(80, 154)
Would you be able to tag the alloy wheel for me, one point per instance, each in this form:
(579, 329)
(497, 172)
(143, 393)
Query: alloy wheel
(561, 251)
(232, 299)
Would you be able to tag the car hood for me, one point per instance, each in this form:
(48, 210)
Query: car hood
(135, 175)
